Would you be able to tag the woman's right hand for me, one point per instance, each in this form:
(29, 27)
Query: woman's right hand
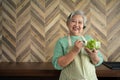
(77, 46)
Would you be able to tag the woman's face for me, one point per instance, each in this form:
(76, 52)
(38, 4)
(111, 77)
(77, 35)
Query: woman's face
(75, 25)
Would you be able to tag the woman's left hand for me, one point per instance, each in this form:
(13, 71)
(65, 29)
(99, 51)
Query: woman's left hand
(93, 55)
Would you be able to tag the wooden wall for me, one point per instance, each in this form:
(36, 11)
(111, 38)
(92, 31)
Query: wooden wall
(30, 28)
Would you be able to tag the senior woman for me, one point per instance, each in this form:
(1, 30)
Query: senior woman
(71, 57)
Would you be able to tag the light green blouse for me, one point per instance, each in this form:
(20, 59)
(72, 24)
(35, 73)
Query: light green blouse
(81, 68)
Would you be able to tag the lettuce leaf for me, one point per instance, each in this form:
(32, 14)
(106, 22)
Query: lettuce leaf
(93, 44)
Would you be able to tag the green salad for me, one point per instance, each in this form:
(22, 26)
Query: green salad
(93, 44)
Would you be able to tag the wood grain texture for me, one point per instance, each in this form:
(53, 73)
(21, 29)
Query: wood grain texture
(29, 29)
(113, 29)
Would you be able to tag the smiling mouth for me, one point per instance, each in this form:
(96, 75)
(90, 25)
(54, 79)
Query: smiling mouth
(76, 28)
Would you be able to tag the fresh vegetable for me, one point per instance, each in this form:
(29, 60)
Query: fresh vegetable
(93, 44)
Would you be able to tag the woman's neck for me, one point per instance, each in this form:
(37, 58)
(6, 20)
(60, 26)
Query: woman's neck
(75, 35)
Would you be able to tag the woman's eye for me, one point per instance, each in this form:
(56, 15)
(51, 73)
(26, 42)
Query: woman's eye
(73, 21)
(80, 22)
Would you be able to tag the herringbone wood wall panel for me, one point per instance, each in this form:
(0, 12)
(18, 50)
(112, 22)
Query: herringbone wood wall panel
(29, 29)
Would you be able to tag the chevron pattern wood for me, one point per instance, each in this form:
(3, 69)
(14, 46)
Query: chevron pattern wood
(51, 26)
(30, 28)
(105, 26)
(113, 29)
(38, 30)
(98, 23)
(8, 31)
(23, 30)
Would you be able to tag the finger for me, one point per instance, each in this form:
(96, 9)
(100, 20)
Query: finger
(78, 42)
(88, 50)
(94, 51)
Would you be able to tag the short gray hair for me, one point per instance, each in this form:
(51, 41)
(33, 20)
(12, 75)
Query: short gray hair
(78, 12)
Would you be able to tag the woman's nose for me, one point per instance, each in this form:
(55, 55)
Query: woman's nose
(77, 24)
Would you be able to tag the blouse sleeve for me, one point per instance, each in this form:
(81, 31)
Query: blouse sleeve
(57, 53)
(101, 59)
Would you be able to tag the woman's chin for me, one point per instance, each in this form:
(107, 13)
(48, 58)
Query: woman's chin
(76, 34)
